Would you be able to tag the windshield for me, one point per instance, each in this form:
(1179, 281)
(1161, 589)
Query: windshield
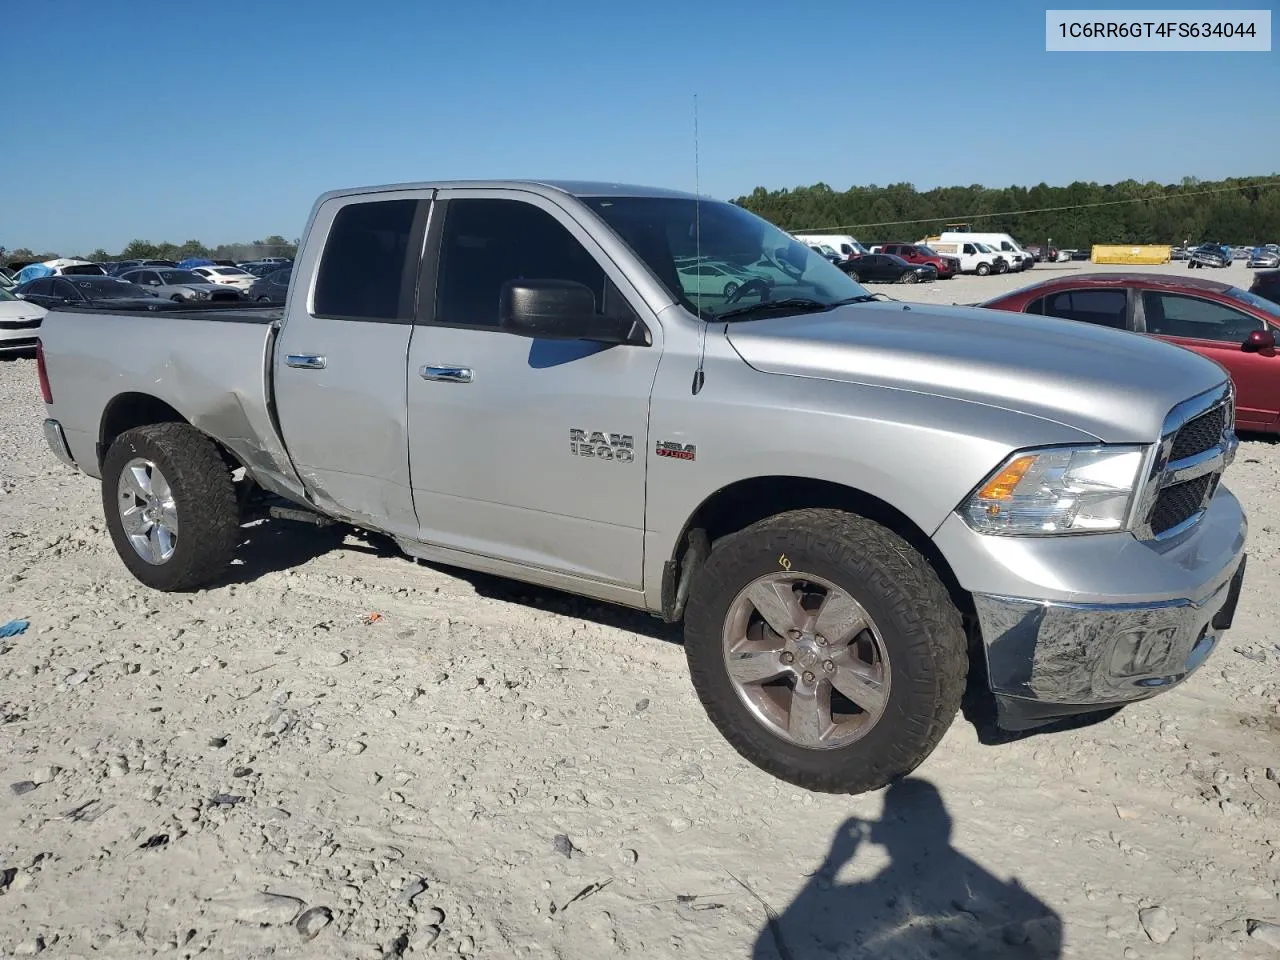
(6, 295)
(181, 276)
(108, 288)
(675, 237)
(1262, 303)
(926, 250)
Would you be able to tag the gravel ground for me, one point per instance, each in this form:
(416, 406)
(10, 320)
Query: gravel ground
(485, 769)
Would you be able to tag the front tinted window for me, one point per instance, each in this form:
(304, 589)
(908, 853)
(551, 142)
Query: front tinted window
(1175, 315)
(661, 230)
(488, 243)
(1104, 308)
(362, 271)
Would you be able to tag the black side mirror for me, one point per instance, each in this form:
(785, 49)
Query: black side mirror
(1260, 340)
(561, 310)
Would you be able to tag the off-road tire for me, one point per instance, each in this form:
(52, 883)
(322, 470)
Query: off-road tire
(208, 514)
(983, 269)
(919, 624)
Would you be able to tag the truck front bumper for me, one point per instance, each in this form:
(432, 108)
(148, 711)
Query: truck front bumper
(1074, 625)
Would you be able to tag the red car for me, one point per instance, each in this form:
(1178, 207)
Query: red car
(1235, 327)
(918, 254)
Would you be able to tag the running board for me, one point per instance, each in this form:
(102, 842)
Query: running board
(300, 516)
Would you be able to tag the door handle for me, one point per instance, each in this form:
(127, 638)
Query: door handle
(306, 361)
(447, 374)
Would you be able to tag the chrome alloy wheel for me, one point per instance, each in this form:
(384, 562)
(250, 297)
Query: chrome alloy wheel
(807, 660)
(148, 511)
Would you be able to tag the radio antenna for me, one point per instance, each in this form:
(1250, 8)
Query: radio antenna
(699, 375)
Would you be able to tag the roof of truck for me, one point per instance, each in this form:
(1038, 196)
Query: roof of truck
(575, 188)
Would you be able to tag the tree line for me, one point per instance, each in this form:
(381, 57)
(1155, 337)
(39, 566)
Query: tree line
(1244, 210)
(273, 246)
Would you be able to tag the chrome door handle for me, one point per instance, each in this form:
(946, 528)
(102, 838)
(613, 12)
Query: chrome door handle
(306, 361)
(447, 374)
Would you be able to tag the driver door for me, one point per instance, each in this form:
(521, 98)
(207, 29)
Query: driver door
(527, 451)
(1218, 331)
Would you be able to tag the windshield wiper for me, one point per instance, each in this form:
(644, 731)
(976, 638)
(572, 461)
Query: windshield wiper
(799, 304)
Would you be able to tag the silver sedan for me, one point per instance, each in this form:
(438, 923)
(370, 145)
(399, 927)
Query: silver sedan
(180, 285)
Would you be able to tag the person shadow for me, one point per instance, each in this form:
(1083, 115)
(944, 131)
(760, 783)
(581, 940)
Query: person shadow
(931, 902)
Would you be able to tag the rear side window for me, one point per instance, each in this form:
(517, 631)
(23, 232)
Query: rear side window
(1104, 308)
(362, 273)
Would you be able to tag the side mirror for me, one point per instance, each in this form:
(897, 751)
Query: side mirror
(1260, 340)
(561, 310)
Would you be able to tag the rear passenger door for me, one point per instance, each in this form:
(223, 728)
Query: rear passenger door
(1101, 306)
(527, 451)
(339, 364)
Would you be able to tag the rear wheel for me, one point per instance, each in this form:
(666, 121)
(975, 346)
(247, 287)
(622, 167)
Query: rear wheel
(825, 649)
(170, 506)
(983, 269)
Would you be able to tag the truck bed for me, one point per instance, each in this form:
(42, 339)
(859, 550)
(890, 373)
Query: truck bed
(213, 370)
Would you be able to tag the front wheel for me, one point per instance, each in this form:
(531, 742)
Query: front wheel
(908, 277)
(730, 289)
(170, 506)
(855, 276)
(825, 649)
(178, 298)
(983, 269)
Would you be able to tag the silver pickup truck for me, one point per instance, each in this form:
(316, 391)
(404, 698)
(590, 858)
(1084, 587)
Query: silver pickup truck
(665, 402)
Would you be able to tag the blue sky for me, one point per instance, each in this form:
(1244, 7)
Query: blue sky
(223, 122)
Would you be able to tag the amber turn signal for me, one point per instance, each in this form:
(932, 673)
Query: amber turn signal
(1001, 486)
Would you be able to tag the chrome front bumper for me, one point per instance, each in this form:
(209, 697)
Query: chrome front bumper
(1047, 660)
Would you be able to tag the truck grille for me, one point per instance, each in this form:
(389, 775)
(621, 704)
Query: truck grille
(1179, 503)
(1200, 433)
(1198, 443)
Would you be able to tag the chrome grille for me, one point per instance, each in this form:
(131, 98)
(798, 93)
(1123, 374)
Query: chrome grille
(1179, 503)
(1200, 433)
(1196, 445)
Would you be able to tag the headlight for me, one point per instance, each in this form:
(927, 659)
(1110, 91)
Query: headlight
(1057, 490)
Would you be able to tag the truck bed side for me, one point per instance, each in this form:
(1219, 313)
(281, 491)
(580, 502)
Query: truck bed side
(212, 368)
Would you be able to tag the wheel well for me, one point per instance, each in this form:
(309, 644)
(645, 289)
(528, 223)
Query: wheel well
(745, 502)
(130, 410)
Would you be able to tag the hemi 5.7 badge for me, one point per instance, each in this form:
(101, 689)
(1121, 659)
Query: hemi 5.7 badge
(676, 451)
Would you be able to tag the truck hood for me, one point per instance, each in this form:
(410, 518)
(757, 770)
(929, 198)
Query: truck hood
(1114, 385)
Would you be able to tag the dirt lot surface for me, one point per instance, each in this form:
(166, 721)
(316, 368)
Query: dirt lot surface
(490, 770)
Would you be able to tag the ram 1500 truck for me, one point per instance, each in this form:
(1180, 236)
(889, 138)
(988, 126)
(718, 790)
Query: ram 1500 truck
(848, 503)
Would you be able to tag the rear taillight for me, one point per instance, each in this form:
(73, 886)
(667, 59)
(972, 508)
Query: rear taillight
(43, 372)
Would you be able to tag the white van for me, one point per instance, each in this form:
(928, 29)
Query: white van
(1009, 248)
(974, 256)
(842, 243)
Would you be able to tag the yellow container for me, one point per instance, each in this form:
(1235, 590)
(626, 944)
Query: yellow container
(1136, 253)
